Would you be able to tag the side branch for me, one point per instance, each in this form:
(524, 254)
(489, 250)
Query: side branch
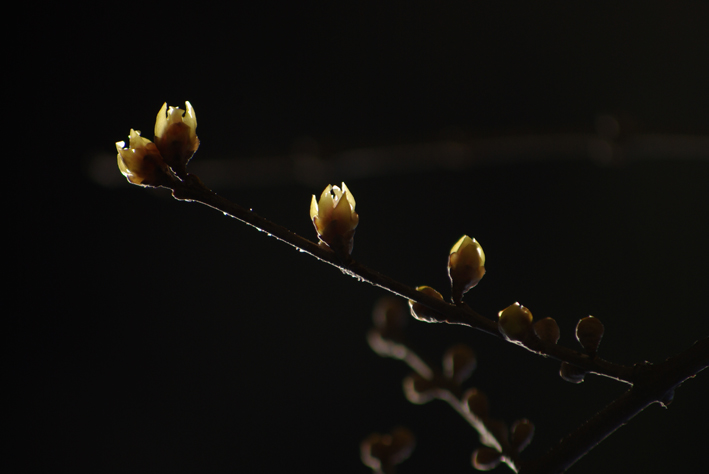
(656, 385)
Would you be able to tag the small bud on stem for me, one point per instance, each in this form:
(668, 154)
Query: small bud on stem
(335, 219)
(466, 266)
(515, 322)
(424, 313)
(589, 332)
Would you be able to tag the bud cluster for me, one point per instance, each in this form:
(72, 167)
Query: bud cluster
(147, 163)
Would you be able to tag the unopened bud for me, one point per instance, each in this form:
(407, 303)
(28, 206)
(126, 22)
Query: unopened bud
(176, 136)
(522, 433)
(466, 266)
(572, 373)
(388, 449)
(424, 313)
(418, 390)
(547, 330)
(389, 317)
(459, 362)
(141, 163)
(476, 403)
(515, 322)
(334, 218)
(486, 459)
(589, 332)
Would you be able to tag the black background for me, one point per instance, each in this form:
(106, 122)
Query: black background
(149, 335)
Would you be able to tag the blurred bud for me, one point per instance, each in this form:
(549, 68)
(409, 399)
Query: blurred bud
(522, 433)
(389, 317)
(515, 322)
(141, 162)
(459, 362)
(486, 459)
(387, 450)
(334, 218)
(547, 330)
(589, 332)
(424, 313)
(476, 403)
(418, 390)
(176, 136)
(572, 373)
(466, 266)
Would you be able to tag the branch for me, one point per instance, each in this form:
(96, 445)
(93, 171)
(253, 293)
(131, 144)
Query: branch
(193, 190)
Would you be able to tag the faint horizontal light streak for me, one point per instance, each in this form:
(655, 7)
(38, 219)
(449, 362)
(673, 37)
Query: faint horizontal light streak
(311, 170)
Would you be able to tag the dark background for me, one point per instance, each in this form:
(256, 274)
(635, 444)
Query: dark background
(149, 335)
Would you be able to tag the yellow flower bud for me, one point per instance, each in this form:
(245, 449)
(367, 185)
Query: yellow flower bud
(141, 162)
(589, 332)
(486, 459)
(176, 136)
(334, 218)
(547, 330)
(515, 322)
(423, 313)
(466, 266)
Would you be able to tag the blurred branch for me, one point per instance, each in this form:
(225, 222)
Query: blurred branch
(309, 168)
